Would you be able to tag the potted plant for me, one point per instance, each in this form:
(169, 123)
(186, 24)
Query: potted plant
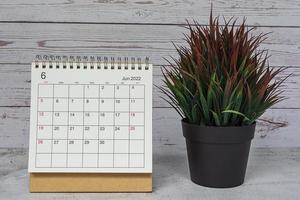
(220, 85)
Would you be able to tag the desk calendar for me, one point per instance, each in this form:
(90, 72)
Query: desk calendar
(90, 115)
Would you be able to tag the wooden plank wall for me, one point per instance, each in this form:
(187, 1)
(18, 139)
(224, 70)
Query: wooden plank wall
(138, 28)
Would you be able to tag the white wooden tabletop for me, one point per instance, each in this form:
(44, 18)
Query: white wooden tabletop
(273, 173)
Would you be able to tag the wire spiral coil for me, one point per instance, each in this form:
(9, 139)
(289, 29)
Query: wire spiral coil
(90, 62)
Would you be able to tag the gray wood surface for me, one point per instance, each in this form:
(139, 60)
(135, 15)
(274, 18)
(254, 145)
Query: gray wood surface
(146, 28)
(273, 173)
(21, 41)
(137, 28)
(263, 13)
(15, 88)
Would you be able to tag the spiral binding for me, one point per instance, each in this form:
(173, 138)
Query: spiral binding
(90, 62)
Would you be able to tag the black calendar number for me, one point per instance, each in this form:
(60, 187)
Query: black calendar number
(102, 142)
(86, 128)
(102, 128)
(55, 142)
(71, 141)
(56, 128)
(43, 75)
(86, 142)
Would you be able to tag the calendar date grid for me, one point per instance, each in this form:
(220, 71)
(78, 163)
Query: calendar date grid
(57, 118)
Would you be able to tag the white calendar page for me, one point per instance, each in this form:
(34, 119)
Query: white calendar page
(86, 119)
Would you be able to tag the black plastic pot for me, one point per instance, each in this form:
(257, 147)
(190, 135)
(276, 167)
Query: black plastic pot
(217, 156)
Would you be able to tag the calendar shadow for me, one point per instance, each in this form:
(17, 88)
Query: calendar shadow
(168, 168)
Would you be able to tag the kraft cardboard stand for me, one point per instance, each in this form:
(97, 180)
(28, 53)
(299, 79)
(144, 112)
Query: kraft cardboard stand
(90, 182)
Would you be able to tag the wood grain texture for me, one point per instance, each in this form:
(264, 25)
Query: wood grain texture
(277, 127)
(137, 28)
(20, 42)
(19, 47)
(15, 86)
(263, 13)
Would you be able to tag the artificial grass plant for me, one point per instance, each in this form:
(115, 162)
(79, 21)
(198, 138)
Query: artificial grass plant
(221, 78)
